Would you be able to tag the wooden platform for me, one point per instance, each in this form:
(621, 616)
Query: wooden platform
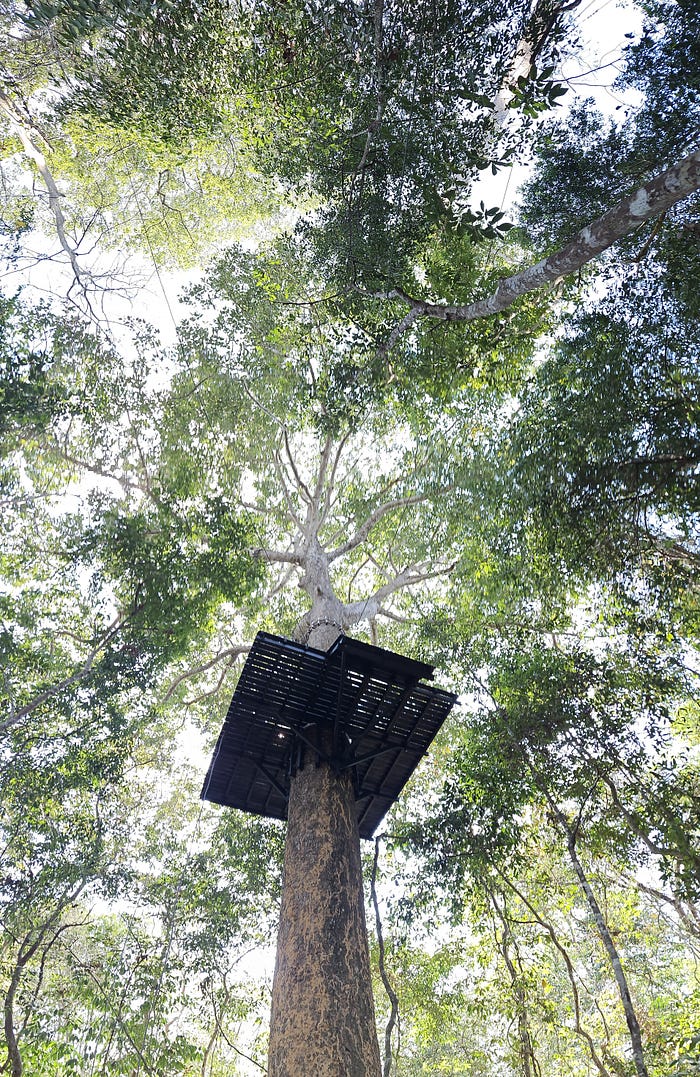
(357, 706)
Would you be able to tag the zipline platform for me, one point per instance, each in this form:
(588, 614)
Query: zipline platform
(356, 706)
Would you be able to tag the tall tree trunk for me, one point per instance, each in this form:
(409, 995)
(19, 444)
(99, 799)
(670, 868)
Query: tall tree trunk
(323, 1022)
(609, 944)
(526, 1051)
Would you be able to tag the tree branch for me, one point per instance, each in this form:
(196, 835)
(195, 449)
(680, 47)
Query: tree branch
(328, 499)
(643, 204)
(569, 969)
(371, 521)
(95, 469)
(229, 652)
(23, 128)
(370, 607)
(388, 987)
(279, 557)
(605, 937)
(279, 470)
(303, 489)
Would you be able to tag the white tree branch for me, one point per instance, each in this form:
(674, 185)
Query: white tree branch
(229, 652)
(371, 521)
(95, 469)
(328, 500)
(646, 202)
(23, 128)
(303, 489)
(324, 460)
(281, 557)
(368, 609)
(291, 509)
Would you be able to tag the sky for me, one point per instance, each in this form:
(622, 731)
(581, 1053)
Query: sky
(154, 294)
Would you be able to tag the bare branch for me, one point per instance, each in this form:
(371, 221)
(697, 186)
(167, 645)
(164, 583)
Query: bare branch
(95, 469)
(23, 127)
(282, 557)
(229, 652)
(282, 581)
(303, 489)
(328, 500)
(372, 520)
(321, 476)
(384, 612)
(368, 609)
(648, 201)
(271, 415)
(578, 1027)
(280, 472)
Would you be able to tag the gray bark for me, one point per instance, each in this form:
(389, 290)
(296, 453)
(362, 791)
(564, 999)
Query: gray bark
(578, 1027)
(647, 202)
(388, 987)
(610, 948)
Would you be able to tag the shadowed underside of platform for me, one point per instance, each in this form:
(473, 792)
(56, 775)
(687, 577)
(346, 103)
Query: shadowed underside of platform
(359, 707)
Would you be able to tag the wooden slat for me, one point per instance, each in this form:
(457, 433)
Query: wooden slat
(285, 687)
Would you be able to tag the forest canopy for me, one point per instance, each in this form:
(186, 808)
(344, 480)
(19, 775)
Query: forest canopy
(432, 377)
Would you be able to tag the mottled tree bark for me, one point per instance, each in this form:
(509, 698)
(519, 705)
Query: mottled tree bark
(651, 200)
(323, 1022)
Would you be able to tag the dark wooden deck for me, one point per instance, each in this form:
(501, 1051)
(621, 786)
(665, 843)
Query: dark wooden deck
(360, 707)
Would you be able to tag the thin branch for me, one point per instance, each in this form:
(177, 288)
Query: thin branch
(233, 1047)
(388, 986)
(280, 472)
(688, 916)
(23, 127)
(328, 500)
(375, 124)
(303, 489)
(569, 969)
(95, 469)
(282, 581)
(321, 476)
(384, 612)
(372, 520)
(229, 652)
(605, 937)
(369, 608)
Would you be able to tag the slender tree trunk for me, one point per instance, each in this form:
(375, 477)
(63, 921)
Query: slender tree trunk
(323, 1022)
(578, 1028)
(388, 987)
(610, 948)
(526, 1050)
(13, 1056)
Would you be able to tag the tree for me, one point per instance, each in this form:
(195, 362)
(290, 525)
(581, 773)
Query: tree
(517, 505)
